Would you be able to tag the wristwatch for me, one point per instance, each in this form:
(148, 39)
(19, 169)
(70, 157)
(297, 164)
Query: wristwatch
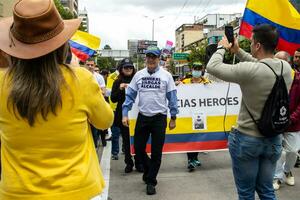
(173, 117)
(220, 47)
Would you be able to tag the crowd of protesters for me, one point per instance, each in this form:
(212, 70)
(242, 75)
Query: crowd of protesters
(52, 113)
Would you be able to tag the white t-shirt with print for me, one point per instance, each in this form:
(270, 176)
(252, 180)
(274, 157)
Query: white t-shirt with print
(152, 90)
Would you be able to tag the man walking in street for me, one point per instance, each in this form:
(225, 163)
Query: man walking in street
(157, 92)
(291, 142)
(253, 155)
(296, 66)
(91, 66)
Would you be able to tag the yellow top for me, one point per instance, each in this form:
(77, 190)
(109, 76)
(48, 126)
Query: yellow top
(189, 80)
(293, 74)
(54, 159)
(110, 81)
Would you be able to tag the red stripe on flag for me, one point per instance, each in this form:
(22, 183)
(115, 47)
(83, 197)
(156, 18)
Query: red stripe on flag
(80, 55)
(189, 146)
(287, 46)
(246, 29)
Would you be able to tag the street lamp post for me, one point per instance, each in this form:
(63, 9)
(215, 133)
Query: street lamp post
(153, 20)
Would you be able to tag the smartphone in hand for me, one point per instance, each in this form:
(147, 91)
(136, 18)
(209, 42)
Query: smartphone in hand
(229, 34)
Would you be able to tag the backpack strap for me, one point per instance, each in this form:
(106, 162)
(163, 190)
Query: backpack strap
(273, 69)
(256, 121)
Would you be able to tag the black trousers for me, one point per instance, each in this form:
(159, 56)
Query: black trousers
(126, 144)
(192, 155)
(156, 126)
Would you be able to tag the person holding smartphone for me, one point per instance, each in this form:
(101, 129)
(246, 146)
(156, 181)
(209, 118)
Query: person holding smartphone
(253, 155)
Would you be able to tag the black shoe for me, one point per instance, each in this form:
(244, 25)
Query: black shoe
(139, 168)
(128, 168)
(191, 166)
(114, 157)
(150, 189)
(104, 143)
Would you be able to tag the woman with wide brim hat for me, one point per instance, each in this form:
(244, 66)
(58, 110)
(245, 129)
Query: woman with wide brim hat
(45, 110)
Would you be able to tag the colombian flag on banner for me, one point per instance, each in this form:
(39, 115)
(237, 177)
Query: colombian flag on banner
(84, 45)
(279, 13)
(201, 122)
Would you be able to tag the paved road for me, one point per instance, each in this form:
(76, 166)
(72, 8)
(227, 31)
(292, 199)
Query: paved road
(212, 181)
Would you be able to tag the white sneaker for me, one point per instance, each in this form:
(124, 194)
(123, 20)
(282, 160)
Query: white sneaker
(276, 184)
(289, 178)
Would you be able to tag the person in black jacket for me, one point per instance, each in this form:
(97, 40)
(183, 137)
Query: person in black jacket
(127, 71)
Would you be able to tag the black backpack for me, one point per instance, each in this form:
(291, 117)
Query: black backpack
(275, 116)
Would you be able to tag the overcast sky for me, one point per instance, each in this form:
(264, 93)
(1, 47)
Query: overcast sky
(116, 21)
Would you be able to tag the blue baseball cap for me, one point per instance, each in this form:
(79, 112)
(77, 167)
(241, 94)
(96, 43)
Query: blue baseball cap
(153, 50)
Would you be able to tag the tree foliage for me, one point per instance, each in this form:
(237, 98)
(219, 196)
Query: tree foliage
(197, 54)
(107, 47)
(106, 62)
(64, 13)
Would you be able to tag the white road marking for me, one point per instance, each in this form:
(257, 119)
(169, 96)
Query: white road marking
(105, 166)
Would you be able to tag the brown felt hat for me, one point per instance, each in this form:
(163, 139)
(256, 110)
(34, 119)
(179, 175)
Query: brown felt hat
(35, 29)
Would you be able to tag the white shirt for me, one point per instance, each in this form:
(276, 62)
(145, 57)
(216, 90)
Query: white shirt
(100, 79)
(152, 90)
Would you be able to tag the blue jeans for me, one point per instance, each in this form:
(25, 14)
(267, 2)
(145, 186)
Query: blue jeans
(253, 164)
(115, 135)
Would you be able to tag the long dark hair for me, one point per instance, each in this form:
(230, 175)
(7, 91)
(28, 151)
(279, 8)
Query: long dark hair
(122, 76)
(35, 84)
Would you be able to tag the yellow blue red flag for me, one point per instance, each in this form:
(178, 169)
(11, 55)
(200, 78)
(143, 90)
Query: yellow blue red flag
(84, 45)
(280, 14)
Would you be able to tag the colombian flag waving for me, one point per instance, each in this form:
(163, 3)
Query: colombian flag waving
(280, 14)
(84, 45)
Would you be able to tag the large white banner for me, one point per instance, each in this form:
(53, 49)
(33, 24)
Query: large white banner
(201, 120)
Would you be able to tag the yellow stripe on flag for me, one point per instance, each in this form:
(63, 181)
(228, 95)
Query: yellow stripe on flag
(86, 39)
(185, 125)
(281, 12)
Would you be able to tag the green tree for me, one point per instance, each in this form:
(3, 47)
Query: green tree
(244, 43)
(172, 66)
(106, 62)
(107, 47)
(197, 54)
(65, 13)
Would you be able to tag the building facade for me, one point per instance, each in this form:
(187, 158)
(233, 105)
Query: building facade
(132, 46)
(187, 34)
(213, 21)
(83, 14)
(72, 5)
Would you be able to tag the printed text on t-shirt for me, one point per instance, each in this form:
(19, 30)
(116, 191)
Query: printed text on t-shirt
(151, 82)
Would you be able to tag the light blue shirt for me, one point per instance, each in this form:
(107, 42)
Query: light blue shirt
(157, 93)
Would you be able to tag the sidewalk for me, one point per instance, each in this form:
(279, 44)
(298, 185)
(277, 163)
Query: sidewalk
(212, 181)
